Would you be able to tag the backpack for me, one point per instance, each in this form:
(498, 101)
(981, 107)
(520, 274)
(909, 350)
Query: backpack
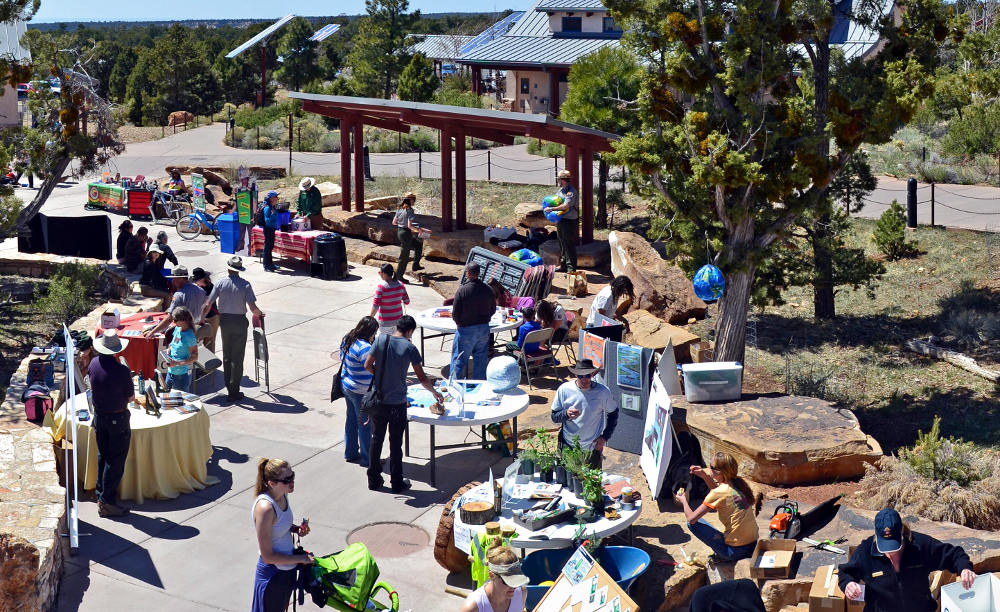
(347, 581)
(37, 401)
(41, 370)
(258, 216)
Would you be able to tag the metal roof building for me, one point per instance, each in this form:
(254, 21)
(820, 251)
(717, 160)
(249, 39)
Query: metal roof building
(442, 47)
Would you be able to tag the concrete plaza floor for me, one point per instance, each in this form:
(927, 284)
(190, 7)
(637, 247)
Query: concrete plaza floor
(198, 552)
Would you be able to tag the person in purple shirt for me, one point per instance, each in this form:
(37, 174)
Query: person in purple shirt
(112, 390)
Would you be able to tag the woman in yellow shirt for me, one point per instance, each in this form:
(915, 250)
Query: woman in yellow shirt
(736, 504)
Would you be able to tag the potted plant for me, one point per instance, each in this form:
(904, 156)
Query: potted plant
(576, 459)
(559, 473)
(541, 448)
(546, 462)
(593, 490)
(528, 456)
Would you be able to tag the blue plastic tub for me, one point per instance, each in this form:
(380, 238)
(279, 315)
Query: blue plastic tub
(229, 232)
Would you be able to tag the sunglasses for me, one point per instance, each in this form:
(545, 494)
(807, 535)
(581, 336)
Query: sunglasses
(587, 376)
(288, 480)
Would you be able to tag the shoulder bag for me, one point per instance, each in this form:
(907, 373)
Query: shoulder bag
(336, 390)
(371, 404)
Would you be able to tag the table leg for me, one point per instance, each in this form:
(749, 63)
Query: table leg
(485, 445)
(406, 439)
(433, 466)
(421, 346)
(514, 433)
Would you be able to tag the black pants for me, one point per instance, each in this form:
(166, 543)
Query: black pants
(596, 458)
(234, 346)
(113, 433)
(395, 421)
(567, 230)
(268, 246)
(408, 242)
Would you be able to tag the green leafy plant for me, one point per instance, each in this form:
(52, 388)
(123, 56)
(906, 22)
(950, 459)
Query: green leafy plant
(946, 459)
(593, 490)
(890, 234)
(70, 288)
(544, 447)
(575, 457)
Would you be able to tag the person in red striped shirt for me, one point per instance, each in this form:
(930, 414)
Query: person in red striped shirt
(390, 296)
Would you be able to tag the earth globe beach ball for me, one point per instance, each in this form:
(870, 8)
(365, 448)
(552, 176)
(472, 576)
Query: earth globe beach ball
(709, 283)
(502, 374)
(551, 202)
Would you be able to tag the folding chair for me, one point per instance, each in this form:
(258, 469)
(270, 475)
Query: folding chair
(539, 358)
(206, 365)
(575, 322)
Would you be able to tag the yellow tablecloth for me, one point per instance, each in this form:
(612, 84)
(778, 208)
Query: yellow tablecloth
(167, 456)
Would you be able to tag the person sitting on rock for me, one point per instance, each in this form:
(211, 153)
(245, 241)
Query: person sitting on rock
(736, 504)
(176, 183)
(894, 565)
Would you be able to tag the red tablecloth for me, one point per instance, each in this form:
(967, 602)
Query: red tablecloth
(140, 352)
(297, 245)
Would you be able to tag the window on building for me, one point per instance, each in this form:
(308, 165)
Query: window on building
(572, 24)
(525, 85)
(610, 25)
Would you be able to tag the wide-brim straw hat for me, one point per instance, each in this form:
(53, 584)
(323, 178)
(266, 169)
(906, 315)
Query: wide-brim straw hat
(565, 174)
(236, 264)
(306, 183)
(110, 343)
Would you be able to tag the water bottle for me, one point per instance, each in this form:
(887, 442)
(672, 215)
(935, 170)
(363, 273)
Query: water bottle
(142, 387)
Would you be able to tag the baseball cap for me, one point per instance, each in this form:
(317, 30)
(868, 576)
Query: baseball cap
(888, 531)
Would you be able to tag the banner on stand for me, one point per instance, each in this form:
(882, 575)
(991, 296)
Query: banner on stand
(198, 191)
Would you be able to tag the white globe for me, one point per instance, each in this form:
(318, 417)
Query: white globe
(502, 373)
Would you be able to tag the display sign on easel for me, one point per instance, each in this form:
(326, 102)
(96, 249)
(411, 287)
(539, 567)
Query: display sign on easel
(657, 439)
(198, 191)
(584, 586)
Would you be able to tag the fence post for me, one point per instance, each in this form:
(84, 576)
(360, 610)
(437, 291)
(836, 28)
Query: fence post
(932, 204)
(163, 131)
(623, 179)
(258, 136)
(175, 128)
(847, 202)
(298, 137)
(911, 203)
(420, 165)
(555, 163)
(291, 133)
(923, 154)
(488, 171)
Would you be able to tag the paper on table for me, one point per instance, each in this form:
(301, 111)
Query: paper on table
(555, 599)
(766, 561)
(463, 539)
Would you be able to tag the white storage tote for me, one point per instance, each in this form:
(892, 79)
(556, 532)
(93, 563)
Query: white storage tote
(984, 596)
(712, 381)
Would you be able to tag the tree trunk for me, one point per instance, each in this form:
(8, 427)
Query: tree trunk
(28, 212)
(602, 193)
(823, 302)
(731, 326)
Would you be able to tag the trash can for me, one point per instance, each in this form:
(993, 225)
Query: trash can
(329, 257)
(229, 232)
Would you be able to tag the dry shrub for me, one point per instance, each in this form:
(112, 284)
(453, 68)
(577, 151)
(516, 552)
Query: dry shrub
(895, 484)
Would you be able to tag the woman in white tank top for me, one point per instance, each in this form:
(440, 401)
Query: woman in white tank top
(505, 590)
(271, 515)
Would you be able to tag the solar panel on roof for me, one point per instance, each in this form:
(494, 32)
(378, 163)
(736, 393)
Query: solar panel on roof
(493, 32)
(262, 36)
(325, 32)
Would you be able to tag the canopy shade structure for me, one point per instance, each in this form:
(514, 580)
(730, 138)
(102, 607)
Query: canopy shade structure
(456, 122)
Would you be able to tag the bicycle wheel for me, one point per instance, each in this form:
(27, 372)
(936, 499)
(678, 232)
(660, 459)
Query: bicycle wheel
(189, 227)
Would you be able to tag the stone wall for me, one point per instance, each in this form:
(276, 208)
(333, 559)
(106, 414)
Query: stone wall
(38, 265)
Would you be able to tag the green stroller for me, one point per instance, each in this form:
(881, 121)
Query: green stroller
(348, 581)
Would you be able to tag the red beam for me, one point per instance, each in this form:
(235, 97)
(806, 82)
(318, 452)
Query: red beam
(446, 181)
(345, 164)
(359, 166)
(587, 194)
(460, 180)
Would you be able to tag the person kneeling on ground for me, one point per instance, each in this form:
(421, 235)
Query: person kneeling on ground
(736, 504)
(529, 325)
(894, 565)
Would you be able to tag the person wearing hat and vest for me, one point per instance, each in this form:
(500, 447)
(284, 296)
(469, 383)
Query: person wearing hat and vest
(233, 295)
(310, 203)
(111, 391)
(894, 565)
(568, 227)
(585, 409)
(504, 592)
(406, 231)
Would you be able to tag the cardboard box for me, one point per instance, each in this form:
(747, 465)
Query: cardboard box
(825, 595)
(984, 596)
(111, 319)
(772, 559)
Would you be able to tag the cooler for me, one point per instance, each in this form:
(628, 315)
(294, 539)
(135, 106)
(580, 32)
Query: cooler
(329, 257)
(713, 381)
(229, 232)
(284, 219)
(139, 203)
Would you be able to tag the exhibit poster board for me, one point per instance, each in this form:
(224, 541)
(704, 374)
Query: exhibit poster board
(584, 586)
(243, 201)
(198, 191)
(657, 440)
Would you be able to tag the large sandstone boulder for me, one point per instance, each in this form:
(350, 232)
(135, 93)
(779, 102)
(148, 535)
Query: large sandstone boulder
(383, 203)
(179, 118)
(529, 214)
(781, 439)
(661, 288)
(330, 193)
(593, 255)
(646, 329)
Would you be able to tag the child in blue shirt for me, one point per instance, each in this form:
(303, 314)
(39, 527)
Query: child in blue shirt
(529, 325)
(183, 351)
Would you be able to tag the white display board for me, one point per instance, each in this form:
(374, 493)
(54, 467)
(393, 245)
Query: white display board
(72, 501)
(657, 439)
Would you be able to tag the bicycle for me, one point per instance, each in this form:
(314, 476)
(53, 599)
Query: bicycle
(196, 223)
(175, 206)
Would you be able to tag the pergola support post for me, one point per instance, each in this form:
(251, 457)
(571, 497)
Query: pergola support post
(460, 180)
(573, 165)
(587, 194)
(345, 164)
(359, 165)
(445, 181)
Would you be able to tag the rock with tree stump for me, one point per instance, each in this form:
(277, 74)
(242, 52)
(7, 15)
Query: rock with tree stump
(781, 439)
(662, 288)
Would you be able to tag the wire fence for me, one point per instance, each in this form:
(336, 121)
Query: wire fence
(923, 200)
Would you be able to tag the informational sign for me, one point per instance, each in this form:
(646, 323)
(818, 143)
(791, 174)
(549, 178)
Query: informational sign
(243, 207)
(627, 370)
(584, 586)
(198, 191)
(657, 445)
(628, 367)
(592, 348)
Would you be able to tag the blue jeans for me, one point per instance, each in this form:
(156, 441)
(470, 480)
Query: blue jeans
(471, 341)
(181, 382)
(717, 542)
(357, 437)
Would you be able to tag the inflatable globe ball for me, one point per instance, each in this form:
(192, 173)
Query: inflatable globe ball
(709, 283)
(551, 202)
(502, 374)
(527, 256)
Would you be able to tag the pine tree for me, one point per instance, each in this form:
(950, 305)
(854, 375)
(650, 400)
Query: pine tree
(381, 49)
(181, 74)
(417, 82)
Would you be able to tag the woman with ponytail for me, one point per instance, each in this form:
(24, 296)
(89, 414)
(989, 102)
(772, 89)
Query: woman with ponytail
(354, 381)
(272, 520)
(505, 590)
(736, 504)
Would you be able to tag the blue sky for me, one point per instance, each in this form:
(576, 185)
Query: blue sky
(110, 10)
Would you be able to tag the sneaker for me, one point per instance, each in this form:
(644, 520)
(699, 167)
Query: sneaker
(375, 486)
(406, 485)
(110, 510)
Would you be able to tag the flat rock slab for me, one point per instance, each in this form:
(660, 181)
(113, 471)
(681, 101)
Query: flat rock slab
(781, 439)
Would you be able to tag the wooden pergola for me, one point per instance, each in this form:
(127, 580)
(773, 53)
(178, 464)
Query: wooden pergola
(455, 122)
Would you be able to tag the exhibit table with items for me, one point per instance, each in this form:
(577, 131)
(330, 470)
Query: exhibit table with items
(167, 456)
(106, 196)
(294, 245)
(439, 320)
(556, 527)
(468, 403)
(141, 352)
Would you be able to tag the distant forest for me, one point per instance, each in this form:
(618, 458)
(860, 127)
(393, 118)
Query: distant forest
(65, 26)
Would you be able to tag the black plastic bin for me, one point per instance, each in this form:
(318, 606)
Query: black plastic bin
(329, 257)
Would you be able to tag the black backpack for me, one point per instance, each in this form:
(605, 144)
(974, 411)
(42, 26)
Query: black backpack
(258, 216)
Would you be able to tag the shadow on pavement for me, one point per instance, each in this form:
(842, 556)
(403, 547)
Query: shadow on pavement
(274, 402)
(110, 550)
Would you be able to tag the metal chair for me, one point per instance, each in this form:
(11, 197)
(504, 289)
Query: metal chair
(539, 358)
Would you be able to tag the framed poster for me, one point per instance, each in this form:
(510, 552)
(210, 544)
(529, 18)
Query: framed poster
(243, 201)
(629, 366)
(198, 191)
(593, 348)
(657, 444)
